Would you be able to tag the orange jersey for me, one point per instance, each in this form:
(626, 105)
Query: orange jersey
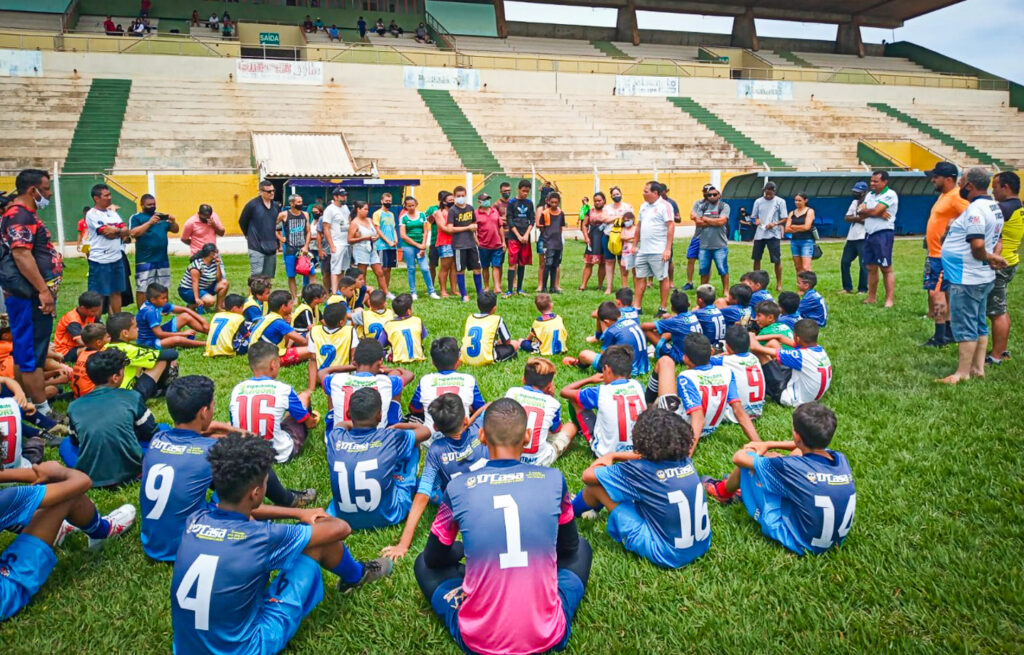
(7, 359)
(80, 382)
(63, 339)
(947, 207)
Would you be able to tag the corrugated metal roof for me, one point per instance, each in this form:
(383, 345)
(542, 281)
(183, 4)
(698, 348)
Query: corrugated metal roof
(314, 155)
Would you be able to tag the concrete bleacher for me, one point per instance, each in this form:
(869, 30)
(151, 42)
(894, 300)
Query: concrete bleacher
(47, 110)
(95, 23)
(575, 133)
(817, 135)
(210, 126)
(998, 131)
(407, 40)
(528, 45)
(773, 58)
(655, 51)
(887, 64)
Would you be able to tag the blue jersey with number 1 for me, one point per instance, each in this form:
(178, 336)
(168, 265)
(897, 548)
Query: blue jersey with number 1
(712, 323)
(627, 332)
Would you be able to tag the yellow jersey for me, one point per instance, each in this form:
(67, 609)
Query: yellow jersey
(373, 322)
(253, 309)
(1013, 232)
(331, 348)
(406, 338)
(260, 326)
(337, 297)
(548, 335)
(478, 339)
(223, 328)
(305, 317)
(140, 359)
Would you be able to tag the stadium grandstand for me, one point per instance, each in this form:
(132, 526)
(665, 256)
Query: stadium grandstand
(443, 92)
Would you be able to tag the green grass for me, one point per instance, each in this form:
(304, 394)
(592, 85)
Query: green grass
(933, 562)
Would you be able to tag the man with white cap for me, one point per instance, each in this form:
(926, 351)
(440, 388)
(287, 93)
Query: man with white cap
(854, 247)
(769, 214)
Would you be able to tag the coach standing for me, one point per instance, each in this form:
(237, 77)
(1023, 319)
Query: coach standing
(107, 234)
(968, 259)
(713, 233)
(654, 245)
(769, 214)
(30, 286)
(879, 214)
(947, 207)
(1006, 191)
(258, 222)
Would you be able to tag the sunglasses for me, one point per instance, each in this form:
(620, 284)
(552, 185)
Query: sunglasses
(713, 195)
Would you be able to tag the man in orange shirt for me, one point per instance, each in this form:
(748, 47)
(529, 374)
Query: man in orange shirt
(947, 207)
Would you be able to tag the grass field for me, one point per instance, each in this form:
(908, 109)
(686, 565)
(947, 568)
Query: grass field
(933, 562)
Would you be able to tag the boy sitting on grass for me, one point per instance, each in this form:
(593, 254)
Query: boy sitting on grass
(712, 323)
(486, 339)
(331, 342)
(307, 313)
(149, 370)
(445, 354)
(812, 305)
(606, 413)
(48, 503)
(153, 334)
(367, 370)
(548, 335)
(227, 334)
(657, 502)
(746, 371)
(255, 306)
(95, 337)
(403, 335)
(789, 303)
(372, 469)
(806, 501)
(624, 301)
(800, 374)
(456, 451)
(548, 437)
(615, 331)
(372, 319)
(770, 331)
(112, 426)
(275, 328)
(67, 340)
(219, 592)
(758, 282)
(736, 307)
(667, 333)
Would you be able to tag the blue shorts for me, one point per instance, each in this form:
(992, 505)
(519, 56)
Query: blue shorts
(186, 294)
(766, 508)
(289, 266)
(934, 280)
(30, 331)
(597, 363)
(289, 599)
(491, 257)
(106, 279)
(720, 257)
(801, 247)
(878, 248)
(448, 598)
(967, 305)
(540, 246)
(693, 249)
(25, 566)
(445, 251)
(626, 526)
(19, 505)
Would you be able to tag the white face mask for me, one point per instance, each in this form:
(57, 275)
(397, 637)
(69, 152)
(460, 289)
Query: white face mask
(460, 201)
(42, 202)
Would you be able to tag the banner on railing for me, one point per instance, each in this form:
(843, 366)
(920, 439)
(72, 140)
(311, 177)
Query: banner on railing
(764, 90)
(642, 85)
(268, 71)
(444, 79)
(21, 63)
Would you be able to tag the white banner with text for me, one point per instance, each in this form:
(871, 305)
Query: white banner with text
(269, 71)
(764, 90)
(444, 79)
(642, 85)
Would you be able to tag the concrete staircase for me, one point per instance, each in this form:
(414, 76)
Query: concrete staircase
(472, 150)
(94, 145)
(938, 134)
(734, 137)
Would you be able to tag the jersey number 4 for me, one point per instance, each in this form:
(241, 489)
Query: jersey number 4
(200, 575)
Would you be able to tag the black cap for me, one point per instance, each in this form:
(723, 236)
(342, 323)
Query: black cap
(339, 191)
(943, 169)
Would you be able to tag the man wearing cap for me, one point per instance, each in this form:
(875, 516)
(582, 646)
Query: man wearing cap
(258, 222)
(693, 248)
(879, 213)
(713, 233)
(854, 247)
(1006, 191)
(202, 228)
(490, 242)
(336, 220)
(769, 214)
(947, 207)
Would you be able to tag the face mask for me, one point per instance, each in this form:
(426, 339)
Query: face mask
(386, 205)
(616, 198)
(506, 194)
(149, 211)
(964, 193)
(460, 200)
(449, 203)
(42, 202)
(485, 203)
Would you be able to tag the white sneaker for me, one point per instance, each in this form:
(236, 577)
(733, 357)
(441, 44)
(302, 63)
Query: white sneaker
(120, 520)
(390, 296)
(589, 515)
(62, 534)
(434, 296)
(415, 296)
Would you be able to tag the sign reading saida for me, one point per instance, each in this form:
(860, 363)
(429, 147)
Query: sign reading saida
(270, 38)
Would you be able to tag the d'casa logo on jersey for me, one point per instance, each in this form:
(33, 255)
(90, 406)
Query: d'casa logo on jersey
(834, 479)
(675, 472)
(352, 447)
(448, 458)
(208, 532)
(494, 478)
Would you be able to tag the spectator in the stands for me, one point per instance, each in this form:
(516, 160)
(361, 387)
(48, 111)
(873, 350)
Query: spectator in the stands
(109, 27)
(421, 34)
(119, 30)
(361, 24)
(395, 30)
(333, 34)
(307, 25)
(225, 30)
(202, 228)
(144, 7)
(319, 25)
(379, 27)
(195, 18)
(258, 222)
(213, 22)
(226, 17)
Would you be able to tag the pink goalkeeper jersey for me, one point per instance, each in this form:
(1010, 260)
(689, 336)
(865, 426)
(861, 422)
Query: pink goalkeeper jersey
(508, 513)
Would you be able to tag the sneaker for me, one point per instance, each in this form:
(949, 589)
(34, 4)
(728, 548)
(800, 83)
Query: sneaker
(120, 520)
(523, 294)
(303, 497)
(1006, 354)
(508, 294)
(934, 343)
(465, 298)
(434, 296)
(62, 534)
(711, 489)
(688, 286)
(390, 296)
(373, 570)
(651, 350)
(661, 312)
(415, 297)
(51, 438)
(589, 515)
(570, 361)
(993, 361)
(555, 291)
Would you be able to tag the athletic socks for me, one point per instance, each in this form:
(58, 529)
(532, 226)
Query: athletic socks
(949, 332)
(520, 274)
(461, 279)
(511, 279)
(44, 407)
(348, 569)
(940, 332)
(579, 505)
(98, 528)
(478, 282)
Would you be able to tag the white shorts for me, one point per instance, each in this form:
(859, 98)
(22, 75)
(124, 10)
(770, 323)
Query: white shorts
(651, 265)
(341, 260)
(545, 455)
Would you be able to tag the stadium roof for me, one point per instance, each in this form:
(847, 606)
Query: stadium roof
(294, 155)
(36, 6)
(869, 13)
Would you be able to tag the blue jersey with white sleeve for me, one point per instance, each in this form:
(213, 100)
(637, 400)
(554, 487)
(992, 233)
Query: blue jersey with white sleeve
(735, 314)
(218, 589)
(669, 498)
(373, 475)
(812, 306)
(678, 327)
(712, 323)
(759, 296)
(449, 458)
(816, 496)
(629, 312)
(148, 317)
(175, 478)
(789, 320)
(627, 332)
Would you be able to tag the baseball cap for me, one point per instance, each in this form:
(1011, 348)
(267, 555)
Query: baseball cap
(483, 196)
(339, 191)
(943, 169)
(708, 187)
(771, 185)
(860, 187)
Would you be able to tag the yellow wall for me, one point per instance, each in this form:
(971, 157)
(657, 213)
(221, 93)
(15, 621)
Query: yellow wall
(908, 153)
(181, 195)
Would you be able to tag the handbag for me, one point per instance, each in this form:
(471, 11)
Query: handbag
(303, 265)
(817, 249)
